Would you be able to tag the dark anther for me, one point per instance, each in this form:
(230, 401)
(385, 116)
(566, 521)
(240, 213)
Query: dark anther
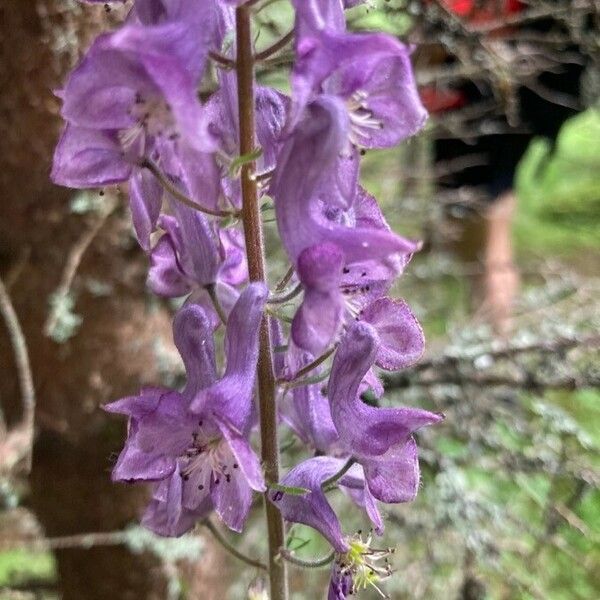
(277, 496)
(228, 478)
(200, 423)
(363, 274)
(235, 465)
(186, 477)
(101, 192)
(200, 487)
(345, 270)
(217, 481)
(363, 152)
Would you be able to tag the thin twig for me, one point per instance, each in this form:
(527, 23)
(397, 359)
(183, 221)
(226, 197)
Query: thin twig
(230, 548)
(309, 367)
(212, 292)
(23, 368)
(74, 260)
(286, 297)
(284, 280)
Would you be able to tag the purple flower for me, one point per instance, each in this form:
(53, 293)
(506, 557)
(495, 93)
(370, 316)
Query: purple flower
(308, 158)
(340, 277)
(380, 439)
(222, 109)
(193, 443)
(193, 255)
(370, 73)
(313, 509)
(133, 97)
(305, 409)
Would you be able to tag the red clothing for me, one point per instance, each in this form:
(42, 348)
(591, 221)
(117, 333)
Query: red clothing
(437, 99)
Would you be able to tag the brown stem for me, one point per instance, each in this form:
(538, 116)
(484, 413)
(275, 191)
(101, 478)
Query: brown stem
(170, 187)
(256, 264)
(276, 47)
(231, 548)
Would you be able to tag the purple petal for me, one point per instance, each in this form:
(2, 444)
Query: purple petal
(377, 71)
(245, 458)
(367, 431)
(200, 252)
(165, 277)
(394, 477)
(353, 483)
(88, 158)
(312, 509)
(232, 498)
(319, 317)
(145, 201)
(102, 88)
(193, 335)
(231, 397)
(401, 336)
(306, 159)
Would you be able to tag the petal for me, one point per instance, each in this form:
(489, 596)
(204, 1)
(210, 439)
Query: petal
(245, 458)
(234, 269)
(232, 498)
(365, 430)
(135, 464)
(165, 277)
(401, 336)
(102, 88)
(86, 158)
(354, 484)
(377, 67)
(394, 477)
(145, 201)
(231, 398)
(318, 320)
(312, 509)
(193, 336)
(307, 158)
(156, 519)
(200, 252)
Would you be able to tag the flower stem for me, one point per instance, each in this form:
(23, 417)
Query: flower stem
(337, 476)
(170, 187)
(276, 47)
(256, 265)
(230, 548)
(306, 564)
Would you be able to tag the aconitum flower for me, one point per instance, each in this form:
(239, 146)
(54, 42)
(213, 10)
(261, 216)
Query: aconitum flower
(312, 508)
(338, 290)
(132, 98)
(306, 159)
(380, 439)
(194, 257)
(370, 73)
(194, 443)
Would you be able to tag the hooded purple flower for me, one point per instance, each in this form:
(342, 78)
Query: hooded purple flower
(371, 74)
(353, 260)
(193, 443)
(132, 97)
(222, 109)
(192, 255)
(380, 439)
(354, 567)
(313, 509)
